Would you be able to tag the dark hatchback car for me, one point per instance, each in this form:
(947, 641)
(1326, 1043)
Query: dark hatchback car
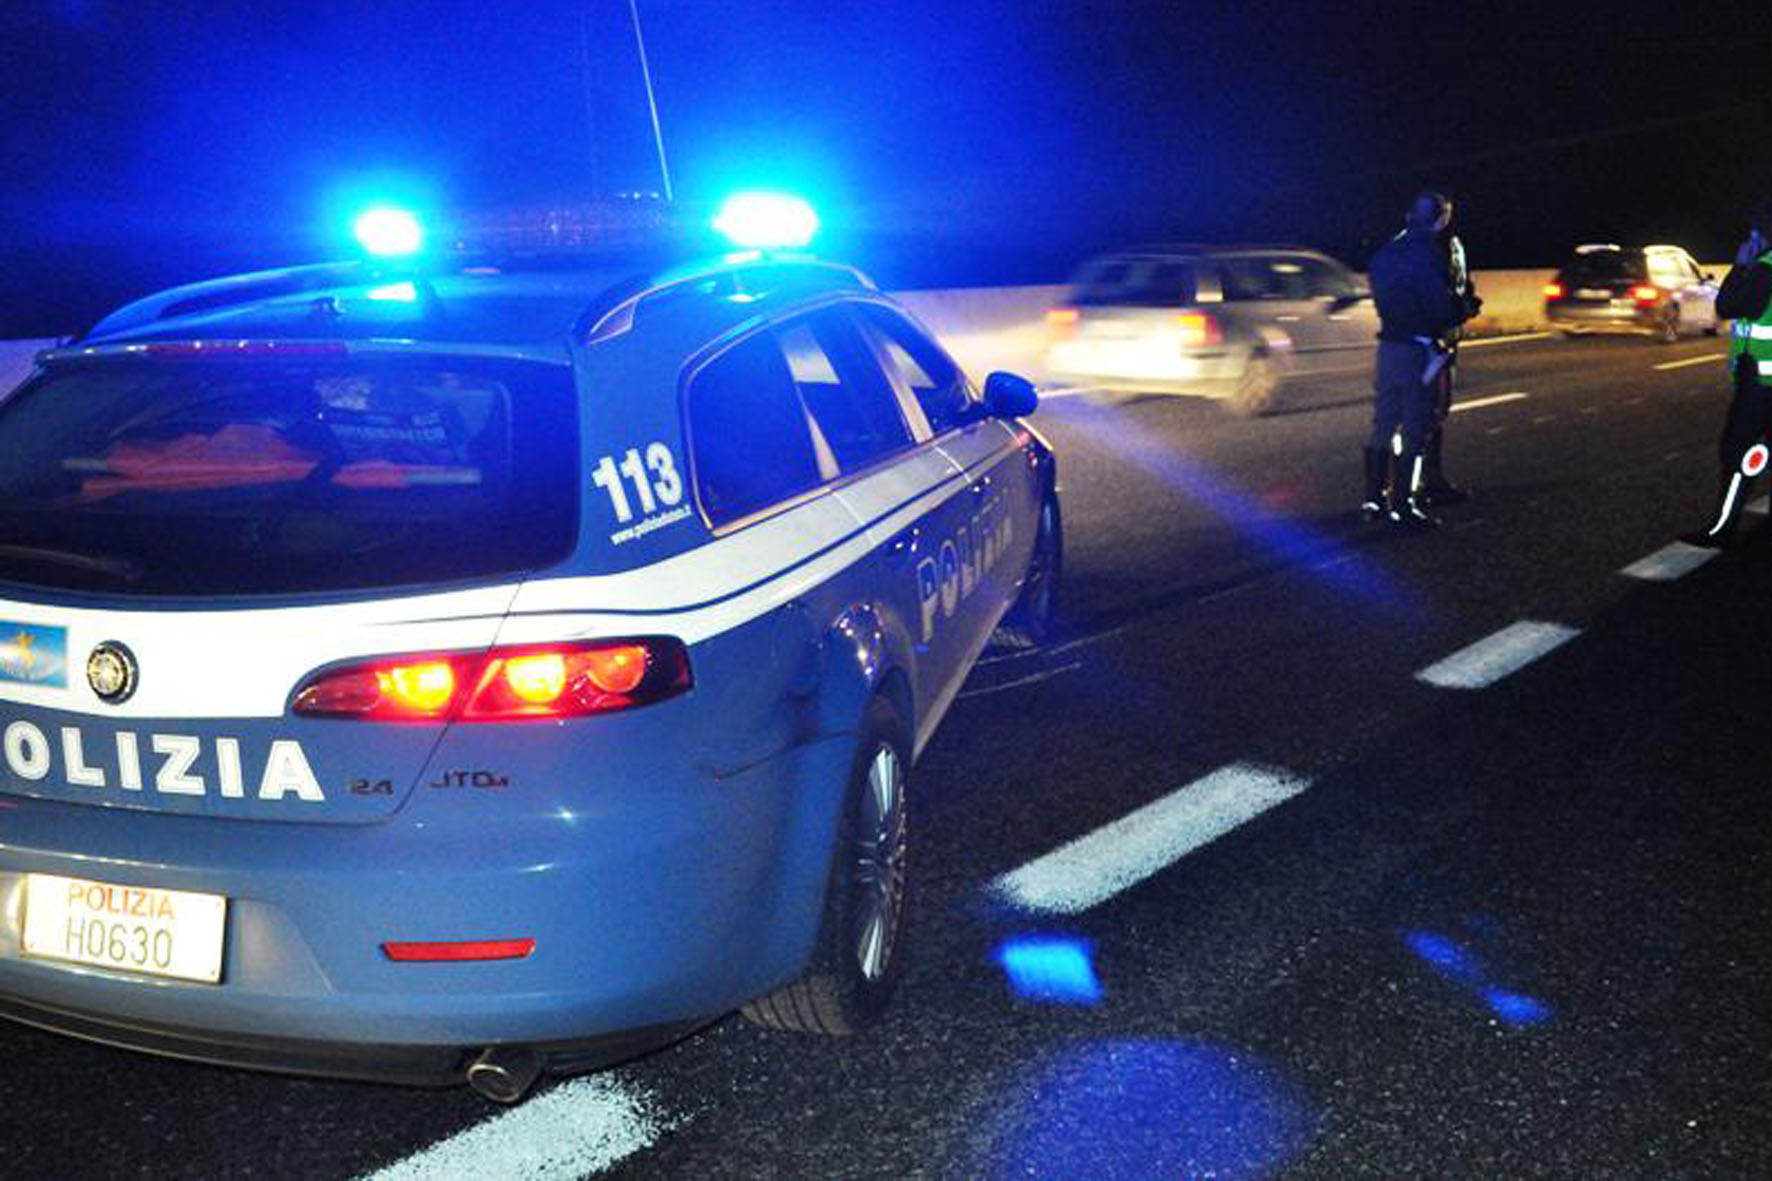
(1654, 291)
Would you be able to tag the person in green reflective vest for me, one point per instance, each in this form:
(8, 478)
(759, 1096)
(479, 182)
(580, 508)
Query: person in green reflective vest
(1746, 298)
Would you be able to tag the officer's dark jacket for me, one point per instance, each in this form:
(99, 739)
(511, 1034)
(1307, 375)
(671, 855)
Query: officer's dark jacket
(1745, 292)
(1412, 289)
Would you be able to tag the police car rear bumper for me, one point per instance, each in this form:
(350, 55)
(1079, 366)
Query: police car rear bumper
(653, 902)
(415, 1066)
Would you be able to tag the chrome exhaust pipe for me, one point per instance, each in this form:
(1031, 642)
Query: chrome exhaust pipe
(504, 1074)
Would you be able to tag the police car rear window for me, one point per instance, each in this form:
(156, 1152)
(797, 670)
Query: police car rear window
(200, 477)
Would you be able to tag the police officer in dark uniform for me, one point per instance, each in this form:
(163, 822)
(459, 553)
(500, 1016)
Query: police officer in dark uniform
(1438, 491)
(1417, 309)
(1746, 298)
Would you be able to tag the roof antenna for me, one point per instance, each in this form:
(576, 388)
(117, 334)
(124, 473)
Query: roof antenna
(664, 169)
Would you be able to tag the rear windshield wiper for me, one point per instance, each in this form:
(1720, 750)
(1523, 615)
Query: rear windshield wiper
(118, 568)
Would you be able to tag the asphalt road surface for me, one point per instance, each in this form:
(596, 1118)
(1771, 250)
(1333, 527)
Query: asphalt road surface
(1309, 849)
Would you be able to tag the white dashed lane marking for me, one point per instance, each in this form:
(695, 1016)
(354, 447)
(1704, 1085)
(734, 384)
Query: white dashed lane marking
(1117, 856)
(1479, 343)
(1669, 562)
(579, 1127)
(1030, 679)
(1758, 506)
(1490, 659)
(1690, 361)
(1495, 400)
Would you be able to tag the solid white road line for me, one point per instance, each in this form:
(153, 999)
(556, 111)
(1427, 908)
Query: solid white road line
(1496, 400)
(1094, 868)
(1479, 342)
(580, 1127)
(1488, 660)
(1690, 361)
(1669, 562)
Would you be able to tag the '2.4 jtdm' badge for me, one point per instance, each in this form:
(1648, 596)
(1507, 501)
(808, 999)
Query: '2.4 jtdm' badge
(111, 672)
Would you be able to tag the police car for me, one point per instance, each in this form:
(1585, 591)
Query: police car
(441, 672)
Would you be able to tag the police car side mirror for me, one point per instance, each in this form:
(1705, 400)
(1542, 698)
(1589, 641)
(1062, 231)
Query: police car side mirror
(1008, 395)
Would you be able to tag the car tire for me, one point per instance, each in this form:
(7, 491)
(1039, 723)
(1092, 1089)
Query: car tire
(1258, 389)
(1668, 330)
(859, 953)
(1029, 621)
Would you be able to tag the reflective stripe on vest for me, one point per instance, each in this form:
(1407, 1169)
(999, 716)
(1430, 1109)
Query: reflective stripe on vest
(1753, 338)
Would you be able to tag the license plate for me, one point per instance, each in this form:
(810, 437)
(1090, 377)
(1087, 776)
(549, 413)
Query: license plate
(155, 932)
(1593, 293)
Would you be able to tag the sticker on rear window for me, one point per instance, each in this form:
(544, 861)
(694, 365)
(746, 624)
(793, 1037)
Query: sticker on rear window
(31, 654)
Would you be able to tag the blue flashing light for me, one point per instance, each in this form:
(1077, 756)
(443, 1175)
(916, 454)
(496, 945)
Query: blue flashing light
(1054, 970)
(766, 221)
(387, 232)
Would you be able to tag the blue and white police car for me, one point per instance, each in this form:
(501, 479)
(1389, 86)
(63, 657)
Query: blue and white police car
(428, 673)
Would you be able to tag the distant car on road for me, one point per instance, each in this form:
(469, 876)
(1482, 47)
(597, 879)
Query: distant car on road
(460, 671)
(1657, 291)
(1249, 325)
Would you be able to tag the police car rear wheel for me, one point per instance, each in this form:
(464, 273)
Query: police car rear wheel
(856, 961)
(1029, 622)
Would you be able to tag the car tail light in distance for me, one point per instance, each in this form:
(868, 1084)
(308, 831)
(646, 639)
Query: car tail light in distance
(1061, 322)
(527, 682)
(1553, 291)
(1198, 330)
(474, 949)
(1646, 293)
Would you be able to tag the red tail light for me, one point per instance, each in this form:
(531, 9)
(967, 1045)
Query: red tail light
(1646, 293)
(1062, 322)
(1553, 291)
(545, 681)
(1198, 330)
(477, 949)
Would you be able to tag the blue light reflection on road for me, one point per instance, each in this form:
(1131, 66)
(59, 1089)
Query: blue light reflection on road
(1051, 969)
(1148, 1108)
(1282, 539)
(1457, 963)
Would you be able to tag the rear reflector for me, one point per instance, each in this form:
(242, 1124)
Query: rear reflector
(476, 949)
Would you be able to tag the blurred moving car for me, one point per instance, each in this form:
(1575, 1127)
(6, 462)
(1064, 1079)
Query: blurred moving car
(1654, 291)
(1249, 325)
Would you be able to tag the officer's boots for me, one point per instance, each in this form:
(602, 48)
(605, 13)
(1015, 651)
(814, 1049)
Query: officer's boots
(1409, 508)
(1374, 506)
(1437, 490)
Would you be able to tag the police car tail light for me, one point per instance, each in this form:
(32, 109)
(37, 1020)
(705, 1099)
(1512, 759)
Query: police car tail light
(1553, 291)
(505, 684)
(1646, 293)
(563, 681)
(1198, 329)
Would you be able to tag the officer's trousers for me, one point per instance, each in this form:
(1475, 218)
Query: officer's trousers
(1401, 400)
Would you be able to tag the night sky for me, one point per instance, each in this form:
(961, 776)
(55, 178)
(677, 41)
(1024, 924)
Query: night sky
(959, 142)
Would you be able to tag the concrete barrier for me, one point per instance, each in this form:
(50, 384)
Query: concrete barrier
(990, 328)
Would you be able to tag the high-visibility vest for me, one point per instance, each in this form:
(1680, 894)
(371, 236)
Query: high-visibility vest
(1753, 338)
